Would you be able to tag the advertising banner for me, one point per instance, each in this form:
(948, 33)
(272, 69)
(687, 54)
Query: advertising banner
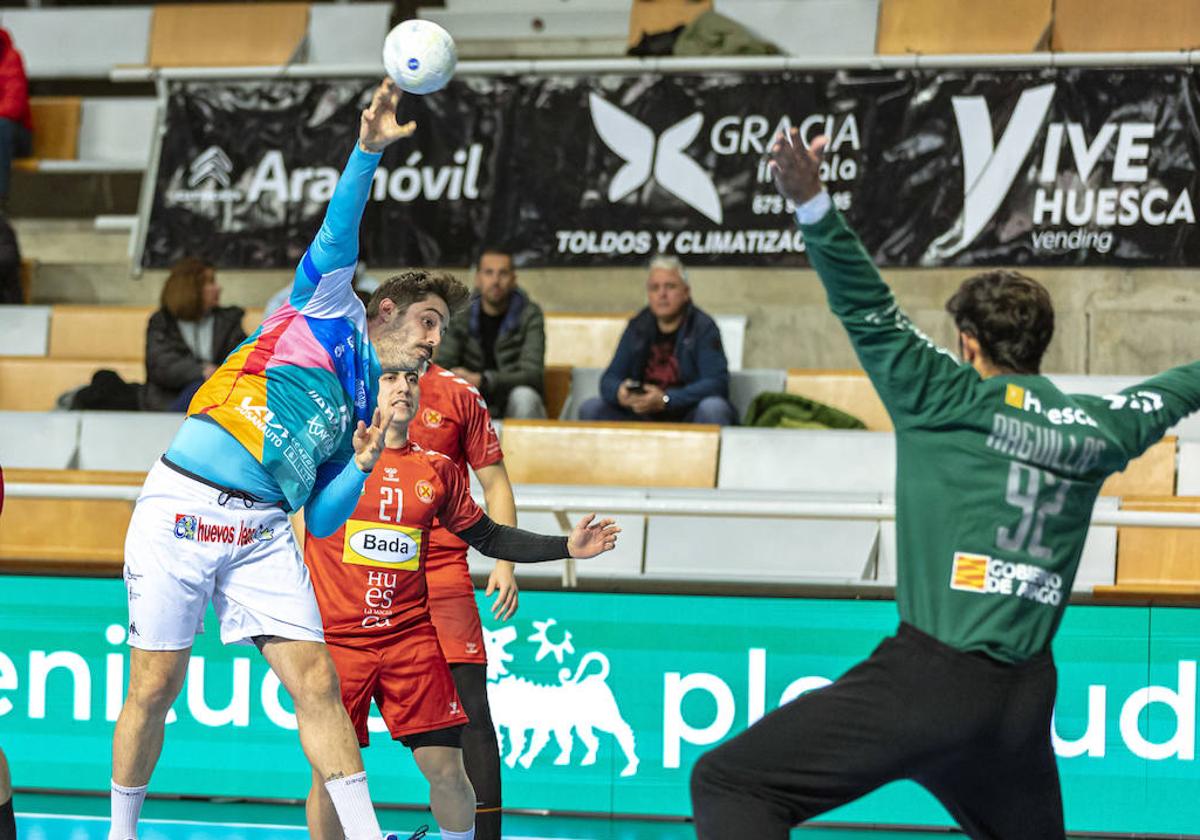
(1051, 167)
(602, 702)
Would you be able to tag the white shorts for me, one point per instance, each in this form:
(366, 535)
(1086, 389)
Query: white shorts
(184, 548)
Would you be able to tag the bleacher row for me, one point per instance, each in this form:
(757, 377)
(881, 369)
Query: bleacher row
(46, 350)
(559, 463)
(98, 134)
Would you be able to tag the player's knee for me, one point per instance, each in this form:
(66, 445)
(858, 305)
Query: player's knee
(449, 777)
(706, 774)
(153, 692)
(318, 684)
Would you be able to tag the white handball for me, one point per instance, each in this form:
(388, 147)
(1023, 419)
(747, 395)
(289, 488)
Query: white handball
(419, 56)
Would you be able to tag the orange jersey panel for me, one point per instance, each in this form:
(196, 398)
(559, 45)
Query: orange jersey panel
(369, 575)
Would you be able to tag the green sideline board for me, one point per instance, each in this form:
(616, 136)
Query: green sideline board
(603, 702)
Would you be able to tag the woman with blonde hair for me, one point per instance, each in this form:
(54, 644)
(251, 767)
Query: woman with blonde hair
(189, 336)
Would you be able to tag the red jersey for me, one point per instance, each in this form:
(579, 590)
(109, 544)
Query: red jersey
(369, 576)
(453, 419)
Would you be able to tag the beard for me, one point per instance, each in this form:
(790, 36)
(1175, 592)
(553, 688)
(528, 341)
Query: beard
(397, 350)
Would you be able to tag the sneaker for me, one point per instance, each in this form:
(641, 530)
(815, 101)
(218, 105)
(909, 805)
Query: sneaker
(420, 833)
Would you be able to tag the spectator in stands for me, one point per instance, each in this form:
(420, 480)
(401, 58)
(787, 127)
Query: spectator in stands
(498, 343)
(670, 365)
(10, 264)
(189, 336)
(16, 127)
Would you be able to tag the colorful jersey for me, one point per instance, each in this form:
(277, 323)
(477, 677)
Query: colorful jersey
(293, 392)
(453, 419)
(369, 575)
(996, 477)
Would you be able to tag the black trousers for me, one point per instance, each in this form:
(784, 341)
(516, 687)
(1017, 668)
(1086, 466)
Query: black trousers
(973, 731)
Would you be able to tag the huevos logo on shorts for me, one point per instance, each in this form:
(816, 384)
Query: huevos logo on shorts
(382, 546)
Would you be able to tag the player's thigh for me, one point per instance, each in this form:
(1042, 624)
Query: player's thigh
(169, 569)
(358, 674)
(304, 668)
(832, 744)
(1001, 798)
(265, 590)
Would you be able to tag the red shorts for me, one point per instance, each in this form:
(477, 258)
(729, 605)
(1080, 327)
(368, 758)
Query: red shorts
(459, 631)
(407, 677)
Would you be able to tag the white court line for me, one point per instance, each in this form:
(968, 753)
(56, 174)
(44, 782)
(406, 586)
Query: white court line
(237, 825)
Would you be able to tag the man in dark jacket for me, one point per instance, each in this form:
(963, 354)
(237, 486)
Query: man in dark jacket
(670, 365)
(499, 343)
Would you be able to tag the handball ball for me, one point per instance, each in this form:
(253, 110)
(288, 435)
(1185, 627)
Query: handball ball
(419, 56)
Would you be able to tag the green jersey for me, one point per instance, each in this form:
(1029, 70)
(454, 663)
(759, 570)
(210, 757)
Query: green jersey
(995, 477)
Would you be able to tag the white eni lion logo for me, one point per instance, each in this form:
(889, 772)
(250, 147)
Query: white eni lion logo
(580, 703)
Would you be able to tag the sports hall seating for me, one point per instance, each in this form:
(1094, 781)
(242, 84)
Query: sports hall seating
(58, 347)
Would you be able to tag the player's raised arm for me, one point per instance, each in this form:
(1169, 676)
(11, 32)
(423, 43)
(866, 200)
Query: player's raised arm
(913, 376)
(336, 243)
(1141, 414)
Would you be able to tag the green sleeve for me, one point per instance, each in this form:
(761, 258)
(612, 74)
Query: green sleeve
(919, 382)
(1141, 414)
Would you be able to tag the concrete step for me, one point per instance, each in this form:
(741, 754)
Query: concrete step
(54, 241)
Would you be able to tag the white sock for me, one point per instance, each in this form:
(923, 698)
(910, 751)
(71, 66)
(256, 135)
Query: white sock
(126, 806)
(352, 801)
(469, 834)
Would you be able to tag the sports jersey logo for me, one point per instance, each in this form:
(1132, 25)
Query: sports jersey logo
(190, 527)
(382, 546)
(391, 474)
(970, 571)
(1014, 395)
(432, 419)
(185, 527)
(982, 574)
(425, 491)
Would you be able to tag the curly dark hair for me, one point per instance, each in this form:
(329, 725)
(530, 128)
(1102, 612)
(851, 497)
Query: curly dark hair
(409, 287)
(1009, 314)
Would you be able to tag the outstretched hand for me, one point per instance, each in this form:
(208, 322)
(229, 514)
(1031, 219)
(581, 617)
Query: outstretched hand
(378, 128)
(368, 441)
(590, 538)
(796, 169)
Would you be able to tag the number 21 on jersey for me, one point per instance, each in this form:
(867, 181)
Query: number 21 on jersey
(391, 504)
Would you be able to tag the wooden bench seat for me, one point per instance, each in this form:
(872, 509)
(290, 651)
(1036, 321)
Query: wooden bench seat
(583, 339)
(65, 536)
(34, 384)
(847, 390)
(55, 130)
(628, 454)
(82, 331)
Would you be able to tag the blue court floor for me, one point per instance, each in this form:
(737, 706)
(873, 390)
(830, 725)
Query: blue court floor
(53, 817)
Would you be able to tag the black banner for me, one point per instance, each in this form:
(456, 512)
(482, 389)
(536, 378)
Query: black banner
(1064, 166)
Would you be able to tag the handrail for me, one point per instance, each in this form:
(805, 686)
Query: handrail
(781, 508)
(671, 64)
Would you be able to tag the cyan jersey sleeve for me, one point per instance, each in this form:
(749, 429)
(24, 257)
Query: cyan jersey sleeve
(335, 495)
(336, 243)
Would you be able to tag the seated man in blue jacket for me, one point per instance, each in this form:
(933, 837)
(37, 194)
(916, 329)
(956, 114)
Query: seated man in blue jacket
(670, 366)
